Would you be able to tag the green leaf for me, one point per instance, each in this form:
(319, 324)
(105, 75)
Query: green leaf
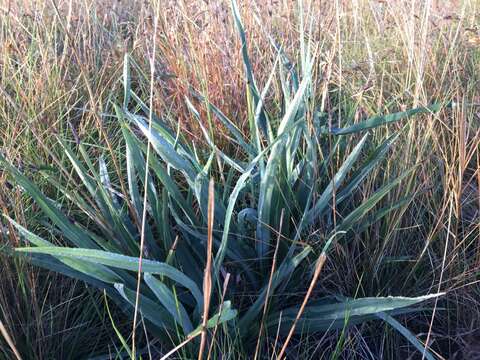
(201, 193)
(163, 148)
(226, 313)
(357, 214)
(136, 171)
(100, 189)
(268, 181)
(373, 218)
(236, 191)
(261, 119)
(292, 108)
(164, 131)
(148, 308)
(407, 333)
(283, 272)
(117, 332)
(229, 124)
(337, 181)
(161, 174)
(29, 236)
(120, 261)
(209, 140)
(243, 39)
(170, 302)
(333, 316)
(95, 271)
(71, 232)
(385, 119)
(370, 163)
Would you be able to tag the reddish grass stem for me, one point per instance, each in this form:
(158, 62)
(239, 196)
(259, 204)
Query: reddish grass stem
(207, 277)
(318, 269)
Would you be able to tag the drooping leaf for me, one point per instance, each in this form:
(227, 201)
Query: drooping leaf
(120, 261)
(406, 333)
(380, 120)
(332, 316)
(169, 302)
(148, 308)
(72, 232)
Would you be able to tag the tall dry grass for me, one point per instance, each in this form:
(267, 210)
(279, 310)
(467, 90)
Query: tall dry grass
(57, 73)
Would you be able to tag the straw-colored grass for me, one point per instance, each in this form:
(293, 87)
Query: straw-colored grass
(60, 74)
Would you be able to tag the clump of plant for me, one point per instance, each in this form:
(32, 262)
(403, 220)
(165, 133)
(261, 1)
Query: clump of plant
(208, 263)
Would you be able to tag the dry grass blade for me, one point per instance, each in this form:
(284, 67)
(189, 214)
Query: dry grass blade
(265, 306)
(178, 347)
(93, 100)
(145, 189)
(224, 292)
(318, 268)
(427, 341)
(9, 341)
(241, 64)
(207, 277)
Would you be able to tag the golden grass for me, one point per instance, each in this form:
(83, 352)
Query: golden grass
(374, 56)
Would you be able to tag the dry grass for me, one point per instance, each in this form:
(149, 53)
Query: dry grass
(375, 56)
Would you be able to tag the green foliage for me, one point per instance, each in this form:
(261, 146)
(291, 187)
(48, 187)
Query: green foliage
(281, 168)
